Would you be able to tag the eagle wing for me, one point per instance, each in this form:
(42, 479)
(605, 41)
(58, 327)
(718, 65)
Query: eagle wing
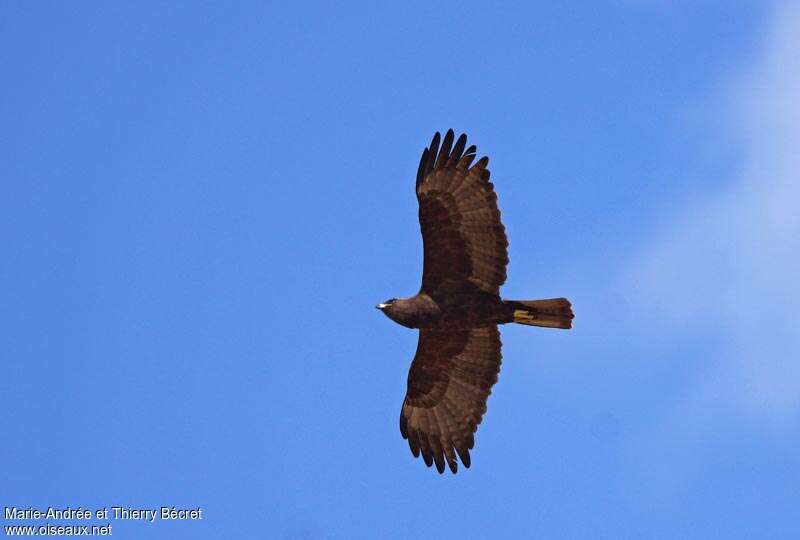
(464, 242)
(449, 382)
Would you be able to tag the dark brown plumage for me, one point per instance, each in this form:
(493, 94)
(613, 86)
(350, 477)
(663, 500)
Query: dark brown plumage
(458, 307)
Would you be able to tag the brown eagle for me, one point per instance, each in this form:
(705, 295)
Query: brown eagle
(458, 307)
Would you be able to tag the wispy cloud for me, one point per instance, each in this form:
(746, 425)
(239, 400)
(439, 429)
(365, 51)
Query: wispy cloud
(728, 266)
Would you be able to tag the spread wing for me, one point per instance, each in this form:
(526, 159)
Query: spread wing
(463, 239)
(449, 382)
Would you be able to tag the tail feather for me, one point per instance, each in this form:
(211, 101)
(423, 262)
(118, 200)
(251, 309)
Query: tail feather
(551, 313)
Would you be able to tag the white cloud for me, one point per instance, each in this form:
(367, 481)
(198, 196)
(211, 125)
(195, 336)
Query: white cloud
(729, 264)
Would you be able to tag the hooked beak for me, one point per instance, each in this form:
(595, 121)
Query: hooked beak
(381, 306)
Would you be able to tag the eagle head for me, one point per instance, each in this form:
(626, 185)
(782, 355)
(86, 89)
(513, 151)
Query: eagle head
(412, 312)
(398, 311)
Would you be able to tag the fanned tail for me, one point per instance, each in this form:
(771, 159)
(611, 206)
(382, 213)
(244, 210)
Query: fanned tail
(550, 313)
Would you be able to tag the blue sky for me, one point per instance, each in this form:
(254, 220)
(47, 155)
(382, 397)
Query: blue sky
(202, 203)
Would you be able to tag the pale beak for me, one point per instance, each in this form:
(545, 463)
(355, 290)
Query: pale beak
(381, 306)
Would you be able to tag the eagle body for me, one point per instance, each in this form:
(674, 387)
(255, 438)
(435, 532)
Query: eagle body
(462, 310)
(458, 307)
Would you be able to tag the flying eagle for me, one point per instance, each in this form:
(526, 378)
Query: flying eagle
(458, 307)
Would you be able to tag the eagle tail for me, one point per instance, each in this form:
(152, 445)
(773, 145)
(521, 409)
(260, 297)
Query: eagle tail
(551, 313)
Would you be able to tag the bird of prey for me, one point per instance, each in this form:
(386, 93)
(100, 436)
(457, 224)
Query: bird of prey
(458, 306)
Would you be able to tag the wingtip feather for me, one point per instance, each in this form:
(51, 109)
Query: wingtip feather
(444, 151)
